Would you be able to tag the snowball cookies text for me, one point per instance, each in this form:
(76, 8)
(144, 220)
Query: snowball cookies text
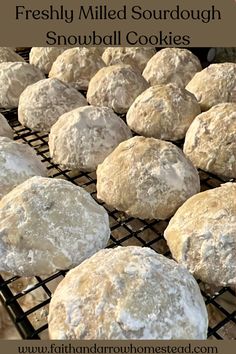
(117, 38)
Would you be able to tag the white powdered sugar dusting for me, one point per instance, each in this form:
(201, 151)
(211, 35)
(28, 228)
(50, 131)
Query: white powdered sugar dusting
(111, 297)
(49, 219)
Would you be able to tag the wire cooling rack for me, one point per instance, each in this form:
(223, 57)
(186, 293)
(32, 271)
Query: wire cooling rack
(27, 300)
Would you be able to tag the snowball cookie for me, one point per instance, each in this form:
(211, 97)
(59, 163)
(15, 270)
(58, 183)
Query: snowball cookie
(42, 103)
(164, 112)
(77, 66)
(128, 293)
(44, 57)
(48, 224)
(5, 129)
(172, 65)
(14, 78)
(134, 56)
(146, 178)
(202, 235)
(215, 84)
(82, 138)
(18, 162)
(8, 55)
(116, 86)
(210, 141)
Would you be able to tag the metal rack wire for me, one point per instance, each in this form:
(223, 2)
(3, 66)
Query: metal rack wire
(31, 321)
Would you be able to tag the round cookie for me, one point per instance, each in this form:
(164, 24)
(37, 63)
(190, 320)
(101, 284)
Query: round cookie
(48, 224)
(116, 86)
(77, 66)
(8, 55)
(44, 57)
(42, 103)
(84, 137)
(213, 85)
(147, 178)
(172, 65)
(18, 162)
(14, 78)
(164, 112)
(202, 235)
(128, 293)
(5, 129)
(137, 57)
(210, 141)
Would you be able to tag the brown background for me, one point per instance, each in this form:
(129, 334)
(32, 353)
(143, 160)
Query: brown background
(33, 33)
(223, 347)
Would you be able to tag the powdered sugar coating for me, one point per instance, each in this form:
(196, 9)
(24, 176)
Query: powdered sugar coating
(116, 87)
(210, 141)
(49, 224)
(42, 103)
(202, 236)
(5, 129)
(213, 85)
(134, 56)
(172, 65)
(146, 178)
(84, 137)
(163, 112)
(14, 78)
(18, 162)
(44, 57)
(127, 293)
(77, 66)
